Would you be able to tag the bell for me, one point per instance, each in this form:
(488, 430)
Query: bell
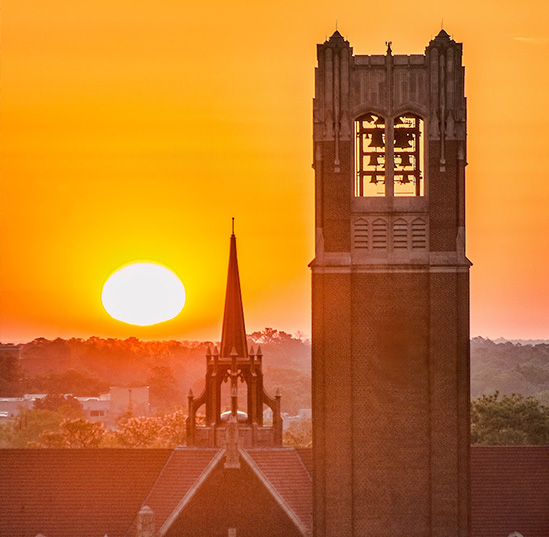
(405, 179)
(377, 139)
(405, 160)
(403, 139)
(373, 160)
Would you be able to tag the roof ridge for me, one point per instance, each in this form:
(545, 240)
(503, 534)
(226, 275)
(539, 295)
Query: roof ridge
(130, 527)
(190, 493)
(274, 492)
(302, 463)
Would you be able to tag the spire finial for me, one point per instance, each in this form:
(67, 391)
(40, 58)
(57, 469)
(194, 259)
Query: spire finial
(233, 225)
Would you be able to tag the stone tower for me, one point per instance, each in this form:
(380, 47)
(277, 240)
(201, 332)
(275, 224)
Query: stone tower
(390, 294)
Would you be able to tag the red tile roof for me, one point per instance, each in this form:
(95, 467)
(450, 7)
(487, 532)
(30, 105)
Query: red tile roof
(284, 470)
(74, 492)
(306, 456)
(177, 479)
(510, 491)
(90, 493)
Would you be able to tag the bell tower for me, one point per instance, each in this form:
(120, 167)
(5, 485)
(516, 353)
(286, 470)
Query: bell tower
(390, 285)
(232, 363)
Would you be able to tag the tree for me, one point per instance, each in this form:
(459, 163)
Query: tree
(138, 432)
(163, 387)
(299, 433)
(166, 431)
(509, 420)
(26, 429)
(66, 405)
(11, 374)
(81, 433)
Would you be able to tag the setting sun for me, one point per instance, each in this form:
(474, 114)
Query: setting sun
(143, 294)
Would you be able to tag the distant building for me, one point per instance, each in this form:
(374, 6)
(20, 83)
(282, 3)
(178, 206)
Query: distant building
(104, 409)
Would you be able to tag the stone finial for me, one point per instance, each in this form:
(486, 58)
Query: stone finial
(145, 522)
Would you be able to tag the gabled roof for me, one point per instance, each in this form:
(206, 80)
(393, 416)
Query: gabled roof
(183, 473)
(284, 473)
(68, 492)
(93, 492)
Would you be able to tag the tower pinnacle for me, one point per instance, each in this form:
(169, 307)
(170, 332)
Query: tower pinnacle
(233, 336)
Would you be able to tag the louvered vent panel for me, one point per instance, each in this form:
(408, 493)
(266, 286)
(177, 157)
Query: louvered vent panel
(419, 234)
(400, 234)
(361, 234)
(379, 234)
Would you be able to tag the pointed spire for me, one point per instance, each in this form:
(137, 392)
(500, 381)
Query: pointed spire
(233, 336)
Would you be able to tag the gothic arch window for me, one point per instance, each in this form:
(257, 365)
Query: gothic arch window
(389, 169)
(370, 155)
(408, 156)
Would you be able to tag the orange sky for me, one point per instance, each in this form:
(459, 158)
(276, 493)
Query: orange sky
(135, 129)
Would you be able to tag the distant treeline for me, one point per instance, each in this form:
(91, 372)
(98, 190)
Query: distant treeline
(88, 367)
(510, 368)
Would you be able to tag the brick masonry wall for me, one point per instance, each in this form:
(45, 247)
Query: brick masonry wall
(389, 374)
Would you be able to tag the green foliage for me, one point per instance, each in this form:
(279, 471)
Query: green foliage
(26, 429)
(11, 375)
(66, 405)
(163, 390)
(73, 381)
(509, 368)
(166, 431)
(73, 433)
(299, 434)
(509, 420)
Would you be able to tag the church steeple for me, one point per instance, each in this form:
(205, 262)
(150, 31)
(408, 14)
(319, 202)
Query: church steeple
(234, 362)
(233, 336)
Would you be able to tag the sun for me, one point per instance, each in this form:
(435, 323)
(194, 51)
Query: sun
(143, 294)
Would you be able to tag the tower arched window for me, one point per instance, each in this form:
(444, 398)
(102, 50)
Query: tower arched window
(408, 156)
(370, 156)
(389, 169)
